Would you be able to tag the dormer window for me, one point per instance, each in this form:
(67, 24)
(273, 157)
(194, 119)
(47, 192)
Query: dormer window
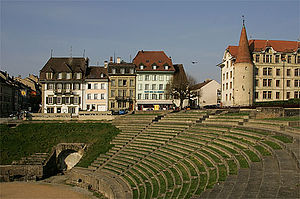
(154, 67)
(59, 75)
(101, 75)
(141, 67)
(159, 61)
(147, 61)
(78, 75)
(122, 70)
(69, 75)
(131, 71)
(49, 75)
(166, 67)
(113, 71)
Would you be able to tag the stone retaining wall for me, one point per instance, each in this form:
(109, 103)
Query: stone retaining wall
(20, 172)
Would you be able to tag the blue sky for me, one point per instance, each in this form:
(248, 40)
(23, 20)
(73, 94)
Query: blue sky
(186, 30)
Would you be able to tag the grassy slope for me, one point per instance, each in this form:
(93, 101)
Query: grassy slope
(27, 139)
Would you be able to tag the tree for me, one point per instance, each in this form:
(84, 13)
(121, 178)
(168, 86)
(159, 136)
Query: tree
(180, 86)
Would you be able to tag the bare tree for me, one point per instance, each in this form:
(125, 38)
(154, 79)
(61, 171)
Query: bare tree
(179, 87)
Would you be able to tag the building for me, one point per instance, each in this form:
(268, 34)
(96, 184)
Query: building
(121, 85)
(207, 93)
(260, 70)
(96, 87)
(154, 70)
(63, 83)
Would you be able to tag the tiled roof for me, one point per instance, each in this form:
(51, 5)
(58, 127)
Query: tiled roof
(151, 58)
(94, 72)
(261, 45)
(243, 54)
(200, 85)
(65, 64)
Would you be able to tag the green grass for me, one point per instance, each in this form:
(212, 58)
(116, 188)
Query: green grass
(212, 178)
(243, 162)
(262, 150)
(253, 157)
(273, 145)
(222, 172)
(27, 139)
(292, 118)
(232, 167)
(283, 138)
(237, 114)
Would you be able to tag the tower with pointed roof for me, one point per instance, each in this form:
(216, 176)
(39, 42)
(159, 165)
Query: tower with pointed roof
(243, 73)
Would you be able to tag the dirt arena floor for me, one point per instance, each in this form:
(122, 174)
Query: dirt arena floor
(32, 190)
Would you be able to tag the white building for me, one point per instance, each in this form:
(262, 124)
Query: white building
(154, 71)
(208, 93)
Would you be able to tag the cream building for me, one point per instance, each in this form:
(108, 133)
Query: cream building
(260, 70)
(96, 89)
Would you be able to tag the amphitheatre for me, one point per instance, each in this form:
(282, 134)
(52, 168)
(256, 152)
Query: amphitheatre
(195, 154)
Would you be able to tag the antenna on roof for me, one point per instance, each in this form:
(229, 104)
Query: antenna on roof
(114, 57)
(83, 52)
(51, 53)
(71, 51)
(243, 17)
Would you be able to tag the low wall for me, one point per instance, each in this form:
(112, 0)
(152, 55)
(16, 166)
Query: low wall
(20, 172)
(84, 115)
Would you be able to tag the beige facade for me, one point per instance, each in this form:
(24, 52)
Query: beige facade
(96, 95)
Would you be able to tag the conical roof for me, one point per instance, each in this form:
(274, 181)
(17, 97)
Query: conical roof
(243, 54)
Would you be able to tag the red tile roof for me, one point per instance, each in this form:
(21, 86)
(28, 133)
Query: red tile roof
(243, 54)
(261, 45)
(150, 58)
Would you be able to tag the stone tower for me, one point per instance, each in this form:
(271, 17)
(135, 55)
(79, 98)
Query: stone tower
(243, 73)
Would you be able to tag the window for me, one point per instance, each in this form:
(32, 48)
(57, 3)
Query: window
(113, 71)
(67, 100)
(69, 75)
(223, 87)
(161, 87)
(89, 96)
(140, 77)
(154, 96)
(226, 97)
(265, 81)
(297, 83)
(102, 86)
(147, 77)
(277, 95)
(131, 70)
(49, 86)
(67, 86)
(264, 94)
(256, 95)
(289, 60)
(223, 76)
(267, 71)
(269, 94)
(112, 93)
(256, 82)
(50, 75)
(76, 86)
(146, 87)
(122, 70)
(230, 74)
(230, 84)
(113, 82)
(227, 75)
(269, 82)
(257, 58)
(153, 86)
(146, 96)
(298, 59)
(154, 77)
(288, 95)
(141, 67)
(95, 96)
(89, 86)
(296, 94)
(267, 59)
(277, 72)
(59, 75)
(78, 75)
(131, 83)
(288, 83)
(76, 100)
(58, 110)
(139, 96)
(124, 82)
(166, 67)
(50, 100)
(277, 83)
(160, 96)
(227, 64)
(226, 86)
(147, 61)
(168, 77)
(95, 86)
(101, 75)
(161, 78)
(297, 72)
(119, 93)
(58, 100)
(59, 86)
(154, 67)
(124, 94)
(276, 58)
(102, 96)
(288, 72)
(140, 86)
(120, 82)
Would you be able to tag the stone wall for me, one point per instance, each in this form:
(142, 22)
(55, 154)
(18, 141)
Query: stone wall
(20, 172)
(86, 115)
(275, 112)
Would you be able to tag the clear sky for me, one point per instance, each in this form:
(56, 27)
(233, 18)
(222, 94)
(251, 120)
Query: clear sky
(186, 30)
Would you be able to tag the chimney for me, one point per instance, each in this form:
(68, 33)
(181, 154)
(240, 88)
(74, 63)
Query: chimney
(118, 60)
(105, 64)
(111, 60)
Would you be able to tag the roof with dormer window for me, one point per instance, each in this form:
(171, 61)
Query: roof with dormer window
(151, 58)
(94, 72)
